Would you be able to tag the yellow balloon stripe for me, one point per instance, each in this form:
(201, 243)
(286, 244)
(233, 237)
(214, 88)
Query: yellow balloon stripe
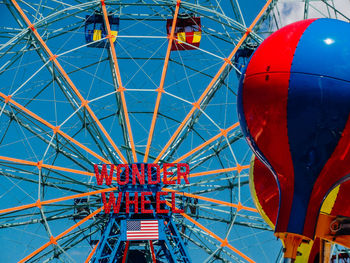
(255, 196)
(329, 202)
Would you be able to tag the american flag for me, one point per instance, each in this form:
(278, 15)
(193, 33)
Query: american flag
(142, 230)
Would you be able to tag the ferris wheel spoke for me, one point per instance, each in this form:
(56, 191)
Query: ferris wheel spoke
(238, 206)
(41, 166)
(32, 128)
(91, 253)
(40, 203)
(10, 62)
(71, 241)
(160, 89)
(194, 118)
(203, 241)
(84, 103)
(213, 151)
(226, 19)
(53, 240)
(40, 133)
(223, 132)
(46, 184)
(8, 99)
(223, 242)
(120, 89)
(90, 126)
(238, 168)
(203, 235)
(21, 174)
(197, 104)
(37, 220)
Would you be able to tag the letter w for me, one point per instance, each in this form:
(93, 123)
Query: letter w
(111, 202)
(104, 174)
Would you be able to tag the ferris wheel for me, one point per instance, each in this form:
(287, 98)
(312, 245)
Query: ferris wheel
(125, 82)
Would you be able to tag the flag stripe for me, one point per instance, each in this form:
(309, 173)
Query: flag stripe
(143, 238)
(142, 230)
(137, 233)
(147, 234)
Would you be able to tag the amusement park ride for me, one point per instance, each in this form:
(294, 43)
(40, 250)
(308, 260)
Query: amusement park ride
(122, 132)
(298, 92)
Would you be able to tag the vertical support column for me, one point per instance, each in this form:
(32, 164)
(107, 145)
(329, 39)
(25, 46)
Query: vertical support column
(126, 251)
(325, 251)
(152, 251)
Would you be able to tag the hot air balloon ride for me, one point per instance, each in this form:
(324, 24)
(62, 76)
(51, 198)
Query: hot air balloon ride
(293, 106)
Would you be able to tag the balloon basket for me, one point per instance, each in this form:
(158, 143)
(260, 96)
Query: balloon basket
(334, 229)
(291, 242)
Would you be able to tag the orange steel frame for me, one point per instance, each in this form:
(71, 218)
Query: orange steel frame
(87, 260)
(196, 105)
(224, 242)
(222, 133)
(238, 206)
(53, 240)
(42, 165)
(121, 89)
(84, 103)
(227, 61)
(238, 168)
(160, 90)
(39, 203)
(8, 99)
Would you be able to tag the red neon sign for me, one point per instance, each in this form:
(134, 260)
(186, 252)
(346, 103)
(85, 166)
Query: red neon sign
(124, 174)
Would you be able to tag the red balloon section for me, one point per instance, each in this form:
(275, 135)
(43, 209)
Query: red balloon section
(265, 193)
(293, 106)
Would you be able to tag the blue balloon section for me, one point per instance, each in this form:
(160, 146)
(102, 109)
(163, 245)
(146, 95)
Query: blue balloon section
(308, 91)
